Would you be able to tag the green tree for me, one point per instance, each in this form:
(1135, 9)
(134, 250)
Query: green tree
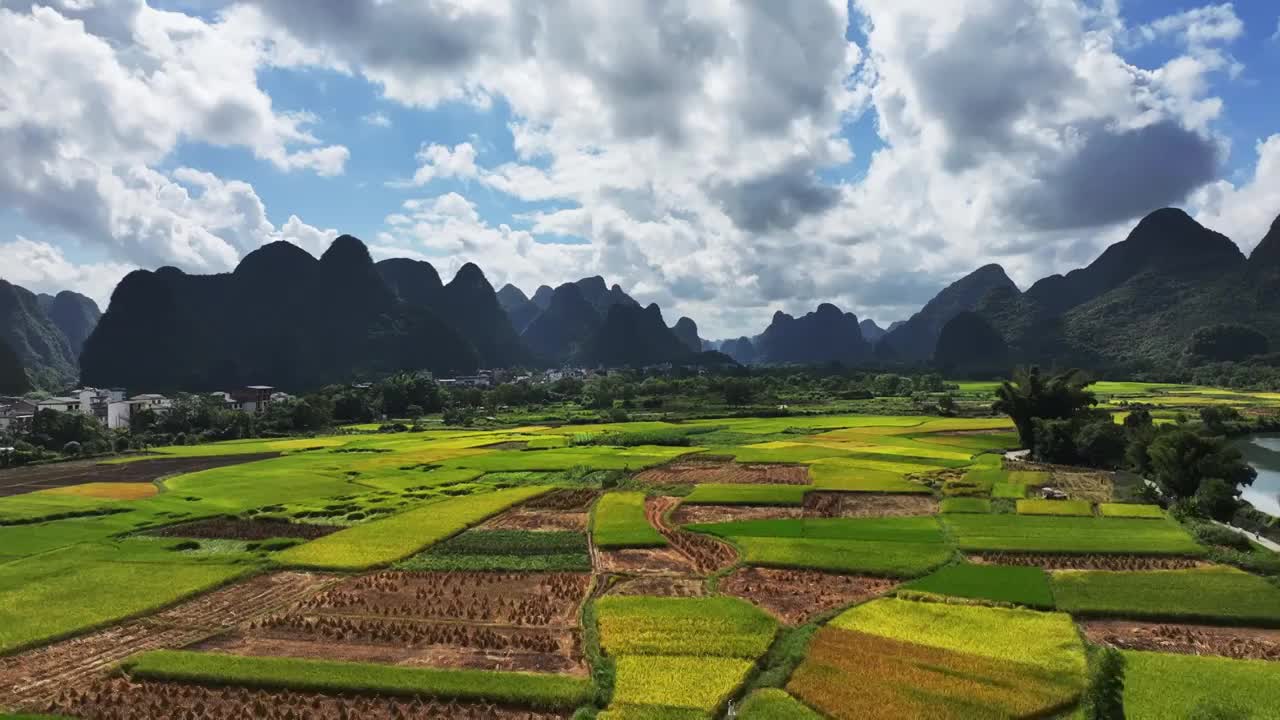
(738, 391)
(1217, 499)
(1104, 698)
(1030, 395)
(1181, 459)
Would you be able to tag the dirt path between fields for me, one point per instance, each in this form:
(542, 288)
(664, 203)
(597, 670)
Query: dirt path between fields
(17, 481)
(37, 675)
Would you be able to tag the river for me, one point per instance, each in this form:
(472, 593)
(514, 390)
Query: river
(1263, 453)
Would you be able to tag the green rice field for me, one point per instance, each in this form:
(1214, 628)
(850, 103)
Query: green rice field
(891, 569)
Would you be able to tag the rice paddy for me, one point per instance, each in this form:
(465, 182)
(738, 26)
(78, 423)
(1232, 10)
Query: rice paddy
(842, 566)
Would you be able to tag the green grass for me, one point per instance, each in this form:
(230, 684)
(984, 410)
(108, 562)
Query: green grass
(774, 704)
(1213, 595)
(746, 494)
(394, 538)
(506, 550)
(1074, 535)
(712, 626)
(965, 505)
(1123, 510)
(1160, 686)
(1072, 508)
(619, 522)
(71, 591)
(276, 673)
(1045, 640)
(1028, 586)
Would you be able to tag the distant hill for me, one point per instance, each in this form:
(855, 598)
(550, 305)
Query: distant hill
(603, 297)
(281, 318)
(969, 346)
(635, 336)
(742, 350)
(871, 332)
(822, 336)
(13, 377)
(41, 347)
(686, 330)
(519, 308)
(561, 332)
(914, 340)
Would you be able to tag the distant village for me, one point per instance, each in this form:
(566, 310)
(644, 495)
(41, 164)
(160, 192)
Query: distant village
(114, 408)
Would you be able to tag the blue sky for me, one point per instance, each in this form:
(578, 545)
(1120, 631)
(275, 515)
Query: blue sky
(724, 161)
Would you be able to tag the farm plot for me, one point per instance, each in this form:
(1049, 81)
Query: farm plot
(557, 510)
(481, 620)
(687, 514)
(1017, 533)
(509, 550)
(867, 505)
(144, 470)
(385, 541)
(679, 657)
(1087, 561)
(901, 679)
(774, 704)
(682, 553)
(796, 596)
(1072, 508)
(1028, 586)
(1211, 595)
(234, 528)
(1123, 510)
(747, 494)
(844, 475)
(122, 699)
(886, 547)
(32, 677)
(1158, 686)
(620, 522)
(703, 469)
(1232, 642)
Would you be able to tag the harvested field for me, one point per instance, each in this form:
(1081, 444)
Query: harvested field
(1232, 642)
(660, 561)
(521, 599)
(120, 699)
(698, 470)
(660, 586)
(56, 475)
(521, 518)
(232, 528)
(694, 514)
(508, 445)
(796, 596)
(707, 554)
(1087, 562)
(473, 620)
(1095, 487)
(568, 499)
(34, 676)
(840, 504)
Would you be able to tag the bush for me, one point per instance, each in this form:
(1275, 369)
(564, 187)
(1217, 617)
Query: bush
(1216, 535)
(71, 448)
(1104, 698)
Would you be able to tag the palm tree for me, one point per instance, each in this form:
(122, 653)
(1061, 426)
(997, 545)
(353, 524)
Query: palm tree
(1031, 396)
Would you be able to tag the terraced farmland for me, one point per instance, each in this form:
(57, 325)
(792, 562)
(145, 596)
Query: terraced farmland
(803, 567)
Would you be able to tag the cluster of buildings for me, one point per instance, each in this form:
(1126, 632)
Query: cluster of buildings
(489, 378)
(115, 410)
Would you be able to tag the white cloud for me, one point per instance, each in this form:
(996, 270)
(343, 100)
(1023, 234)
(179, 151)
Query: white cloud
(1244, 212)
(377, 119)
(97, 96)
(41, 267)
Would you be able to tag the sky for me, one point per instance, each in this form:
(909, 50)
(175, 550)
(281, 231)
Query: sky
(723, 158)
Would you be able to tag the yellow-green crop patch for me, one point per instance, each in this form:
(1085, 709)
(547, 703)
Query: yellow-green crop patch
(851, 476)
(747, 494)
(385, 541)
(619, 521)
(1213, 594)
(775, 704)
(1070, 508)
(652, 684)
(965, 505)
(1124, 510)
(713, 626)
(1071, 535)
(1159, 686)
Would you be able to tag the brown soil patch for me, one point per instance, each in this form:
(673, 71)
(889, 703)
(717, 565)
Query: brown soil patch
(707, 554)
(856, 505)
(660, 586)
(796, 596)
(231, 528)
(44, 477)
(35, 676)
(693, 514)
(567, 499)
(693, 470)
(508, 445)
(1087, 562)
(121, 699)
(1232, 642)
(663, 561)
(1079, 483)
(520, 519)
